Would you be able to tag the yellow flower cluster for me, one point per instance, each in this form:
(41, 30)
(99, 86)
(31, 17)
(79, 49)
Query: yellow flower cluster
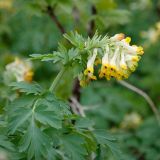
(21, 70)
(6, 4)
(131, 121)
(118, 60)
(152, 35)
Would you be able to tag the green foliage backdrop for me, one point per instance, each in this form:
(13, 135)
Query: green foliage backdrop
(111, 122)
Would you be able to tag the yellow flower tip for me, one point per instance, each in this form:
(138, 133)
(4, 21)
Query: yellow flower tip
(126, 76)
(97, 61)
(158, 25)
(83, 83)
(119, 77)
(135, 58)
(113, 74)
(102, 74)
(128, 40)
(28, 76)
(119, 72)
(123, 66)
(88, 71)
(120, 36)
(133, 68)
(108, 77)
(140, 50)
(106, 66)
(93, 78)
(113, 68)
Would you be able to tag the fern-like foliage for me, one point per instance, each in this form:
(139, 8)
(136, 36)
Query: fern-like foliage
(43, 126)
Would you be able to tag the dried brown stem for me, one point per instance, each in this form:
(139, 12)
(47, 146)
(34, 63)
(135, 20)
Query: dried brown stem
(51, 13)
(144, 95)
(76, 107)
(92, 22)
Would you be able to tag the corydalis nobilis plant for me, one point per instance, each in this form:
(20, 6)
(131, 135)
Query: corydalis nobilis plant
(103, 56)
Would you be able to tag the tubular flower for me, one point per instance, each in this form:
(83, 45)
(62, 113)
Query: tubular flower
(118, 59)
(118, 37)
(20, 70)
(89, 71)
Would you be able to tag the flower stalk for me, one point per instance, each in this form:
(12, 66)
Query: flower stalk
(57, 79)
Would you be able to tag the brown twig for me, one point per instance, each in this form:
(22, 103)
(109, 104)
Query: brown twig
(76, 89)
(92, 22)
(144, 95)
(51, 13)
(76, 107)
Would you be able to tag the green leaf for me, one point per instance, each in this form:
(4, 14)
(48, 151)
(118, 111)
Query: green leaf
(43, 57)
(35, 142)
(20, 117)
(76, 39)
(46, 109)
(56, 105)
(89, 43)
(77, 68)
(84, 123)
(96, 41)
(28, 88)
(103, 136)
(6, 144)
(9, 149)
(52, 154)
(74, 147)
(47, 117)
(105, 139)
(19, 112)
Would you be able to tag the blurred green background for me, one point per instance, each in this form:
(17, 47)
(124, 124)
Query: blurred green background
(26, 27)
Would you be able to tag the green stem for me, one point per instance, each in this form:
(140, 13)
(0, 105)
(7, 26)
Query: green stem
(57, 79)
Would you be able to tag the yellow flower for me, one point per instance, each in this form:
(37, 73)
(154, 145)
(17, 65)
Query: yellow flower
(140, 50)
(131, 121)
(83, 83)
(128, 39)
(6, 4)
(28, 76)
(118, 59)
(89, 71)
(21, 70)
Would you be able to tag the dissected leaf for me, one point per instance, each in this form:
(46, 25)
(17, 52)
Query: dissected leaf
(35, 142)
(84, 123)
(76, 39)
(48, 117)
(74, 147)
(6, 144)
(20, 110)
(42, 57)
(28, 88)
(20, 117)
(106, 139)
